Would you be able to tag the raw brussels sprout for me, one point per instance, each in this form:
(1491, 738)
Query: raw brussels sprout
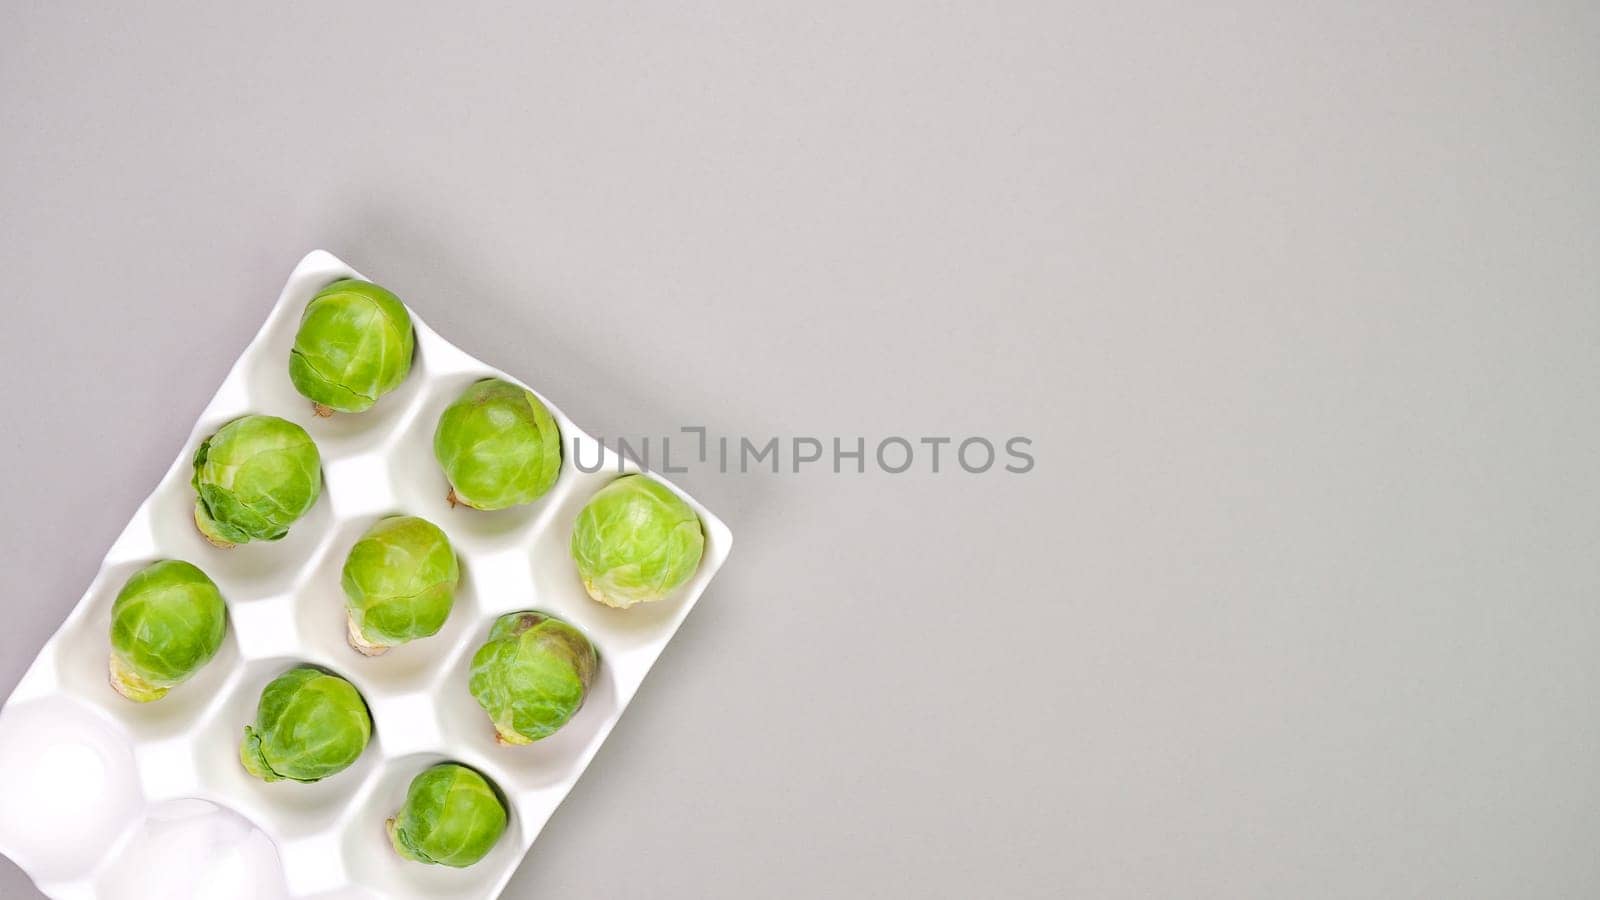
(310, 724)
(532, 675)
(399, 583)
(452, 817)
(498, 446)
(253, 479)
(635, 541)
(354, 345)
(166, 623)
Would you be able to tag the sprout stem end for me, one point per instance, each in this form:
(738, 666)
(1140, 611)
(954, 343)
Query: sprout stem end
(358, 642)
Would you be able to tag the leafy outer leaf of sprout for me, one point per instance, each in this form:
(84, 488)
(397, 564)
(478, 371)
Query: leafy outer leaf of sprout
(399, 581)
(635, 541)
(532, 675)
(254, 478)
(166, 623)
(452, 816)
(355, 344)
(498, 445)
(310, 724)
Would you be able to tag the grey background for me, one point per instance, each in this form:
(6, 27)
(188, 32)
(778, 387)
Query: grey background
(1299, 303)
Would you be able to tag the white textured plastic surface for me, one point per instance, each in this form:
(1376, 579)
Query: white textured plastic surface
(88, 779)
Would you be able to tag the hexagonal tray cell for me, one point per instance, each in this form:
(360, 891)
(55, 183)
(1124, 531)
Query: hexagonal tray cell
(83, 652)
(70, 785)
(633, 636)
(190, 848)
(126, 762)
(421, 485)
(320, 617)
(282, 808)
(529, 767)
(373, 862)
(247, 571)
(266, 376)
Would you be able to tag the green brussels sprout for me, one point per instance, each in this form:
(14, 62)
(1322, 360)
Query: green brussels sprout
(253, 479)
(310, 724)
(354, 345)
(532, 675)
(498, 446)
(166, 623)
(452, 817)
(399, 583)
(635, 541)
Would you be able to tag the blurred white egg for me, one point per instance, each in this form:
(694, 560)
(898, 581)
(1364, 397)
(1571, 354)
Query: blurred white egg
(195, 850)
(349, 893)
(68, 788)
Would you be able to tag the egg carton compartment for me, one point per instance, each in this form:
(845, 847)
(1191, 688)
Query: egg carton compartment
(82, 656)
(263, 371)
(534, 767)
(282, 808)
(144, 777)
(244, 573)
(193, 841)
(631, 638)
(71, 790)
(422, 489)
(321, 623)
(370, 858)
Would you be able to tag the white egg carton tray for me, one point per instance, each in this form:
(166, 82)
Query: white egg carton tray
(83, 770)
